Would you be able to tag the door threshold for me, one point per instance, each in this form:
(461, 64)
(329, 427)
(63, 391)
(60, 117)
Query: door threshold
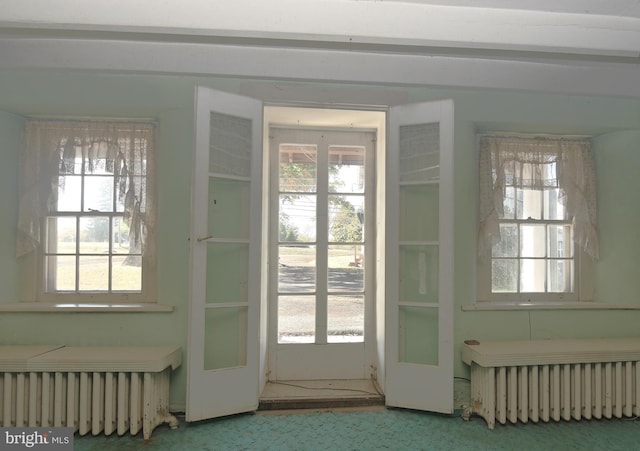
(315, 394)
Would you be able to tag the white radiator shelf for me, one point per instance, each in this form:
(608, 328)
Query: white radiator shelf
(553, 380)
(90, 389)
(545, 352)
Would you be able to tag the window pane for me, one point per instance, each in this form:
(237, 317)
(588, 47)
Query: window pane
(69, 193)
(296, 269)
(296, 319)
(127, 273)
(345, 321)
(553, 209)
(532, 276)
(297, 218)
(61, 235)
(122, 240)
(298, 168)
(98, 193)
(94, 235)
(93, 273)
(509, 203)
(504, 276)
(346, 219)
(61, 273)
(560, 241)
(532, 240)
(508, 244)
(529, 204)
(346, 272)
(560, 276)
(346, 169)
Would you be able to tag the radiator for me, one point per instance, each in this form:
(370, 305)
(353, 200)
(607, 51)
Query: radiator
(553, 380)
(92, 390)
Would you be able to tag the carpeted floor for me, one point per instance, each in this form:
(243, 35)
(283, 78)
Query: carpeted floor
(374, 428)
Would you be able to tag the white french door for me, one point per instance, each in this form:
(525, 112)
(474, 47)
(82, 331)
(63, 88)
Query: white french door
(223, 357)
(419, 300)
(321, 185)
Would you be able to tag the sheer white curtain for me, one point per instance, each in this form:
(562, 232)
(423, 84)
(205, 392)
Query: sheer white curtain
(526, 163)
(53, 148)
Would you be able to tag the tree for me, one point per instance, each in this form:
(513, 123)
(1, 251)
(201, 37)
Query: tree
(346, 225)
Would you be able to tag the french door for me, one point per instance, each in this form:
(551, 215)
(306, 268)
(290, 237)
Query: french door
(413, 265)
(321, 203)
(419, 301)
(224, 311)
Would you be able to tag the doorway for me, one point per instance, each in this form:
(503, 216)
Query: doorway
(321, 184)
(233, 349)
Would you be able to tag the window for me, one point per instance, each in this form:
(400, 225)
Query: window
(87, 209)
(537, 218)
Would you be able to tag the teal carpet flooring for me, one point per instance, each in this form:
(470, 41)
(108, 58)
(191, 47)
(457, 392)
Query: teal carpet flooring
(374, 429)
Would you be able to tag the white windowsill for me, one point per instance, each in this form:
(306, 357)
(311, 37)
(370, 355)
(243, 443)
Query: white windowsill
(66, 307)
(489, 306)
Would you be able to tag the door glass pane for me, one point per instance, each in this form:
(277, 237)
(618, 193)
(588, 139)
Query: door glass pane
(225, 337)
(345, 321)
(297, 218)
(298, 168)
(230, 145)
(419, 152)
(419, 274)
(296, 319)
(228, 208)
(346, 169)
(346, 268)
(419, 206)
(296, 269)
(227, 272)
(346, 219)
(418, 339)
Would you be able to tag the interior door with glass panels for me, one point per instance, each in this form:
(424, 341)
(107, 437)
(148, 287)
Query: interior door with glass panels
(224, 309)
(320, 235)
(419, 304)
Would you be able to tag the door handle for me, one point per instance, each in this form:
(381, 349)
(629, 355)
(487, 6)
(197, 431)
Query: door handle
(204, 238)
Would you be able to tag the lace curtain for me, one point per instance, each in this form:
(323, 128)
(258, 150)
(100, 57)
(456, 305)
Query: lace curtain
(53, 149)
(521, 162)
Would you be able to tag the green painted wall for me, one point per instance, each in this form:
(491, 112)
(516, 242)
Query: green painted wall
(169, 100)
